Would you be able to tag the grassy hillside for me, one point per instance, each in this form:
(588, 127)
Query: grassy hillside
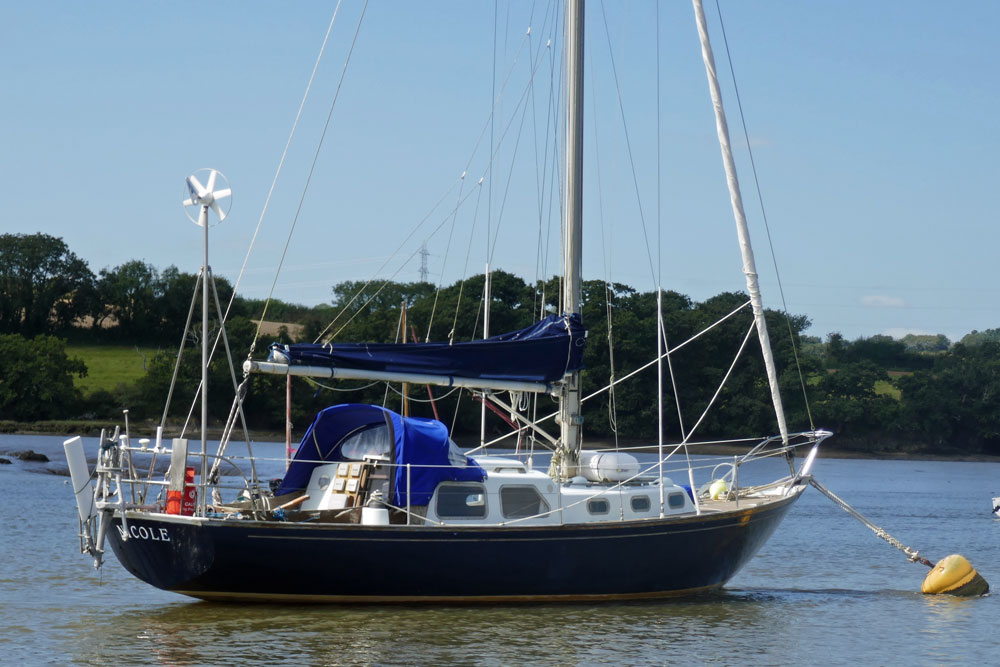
(109, 365)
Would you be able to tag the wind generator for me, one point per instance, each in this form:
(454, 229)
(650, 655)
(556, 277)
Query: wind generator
(202, 198)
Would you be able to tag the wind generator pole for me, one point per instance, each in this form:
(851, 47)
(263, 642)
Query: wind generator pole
(205, 197)
(570, 418)
(203, 220)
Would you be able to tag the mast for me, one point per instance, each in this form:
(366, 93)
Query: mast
(749, 266)
(570, 418)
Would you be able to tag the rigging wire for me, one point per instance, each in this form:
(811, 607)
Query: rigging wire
(260, 222)
(767, 228)
(519, 107)
(541, 248)
(312, 167)
(447, 251)
(628, 143)
(274, 181)
(605, 253)
(458, 181)
(725, 379)
(391, 257)
(465, 270)
(540, 178)
(399, 331)
(316, 383)
(411, 399)
(661, 320)
(510, 173)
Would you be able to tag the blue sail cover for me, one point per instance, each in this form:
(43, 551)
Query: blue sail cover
(417, 441)
(543, 352)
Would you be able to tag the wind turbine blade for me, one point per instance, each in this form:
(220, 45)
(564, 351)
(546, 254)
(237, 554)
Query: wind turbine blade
(211, 180)
(223, 193)
(218, 211)
(197, 189)
(188, 202)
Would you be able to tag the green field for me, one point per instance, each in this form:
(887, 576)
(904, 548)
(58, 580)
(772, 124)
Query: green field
(886, 388)
(109, 365)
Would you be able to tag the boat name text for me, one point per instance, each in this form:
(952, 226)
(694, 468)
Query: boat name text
(144, 533)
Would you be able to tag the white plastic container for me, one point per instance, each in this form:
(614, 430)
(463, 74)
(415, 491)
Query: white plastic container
(608, 466)
(374, 516)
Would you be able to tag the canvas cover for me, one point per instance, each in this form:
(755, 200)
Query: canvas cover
(543, 352)
(422, 443)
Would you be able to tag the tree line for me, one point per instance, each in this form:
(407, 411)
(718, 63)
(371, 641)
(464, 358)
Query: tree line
(875, 393)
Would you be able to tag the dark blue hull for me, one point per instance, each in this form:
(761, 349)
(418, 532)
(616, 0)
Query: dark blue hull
(278, 561)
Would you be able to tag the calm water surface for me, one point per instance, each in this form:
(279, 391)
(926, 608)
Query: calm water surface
(822, 590)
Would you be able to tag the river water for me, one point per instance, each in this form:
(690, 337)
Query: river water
(824, 590)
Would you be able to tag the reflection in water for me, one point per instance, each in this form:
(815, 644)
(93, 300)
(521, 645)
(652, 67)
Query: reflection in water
(209, 633)
(778, 626)
(946, 625)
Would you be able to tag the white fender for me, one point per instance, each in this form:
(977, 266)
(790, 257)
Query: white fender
(79, 474)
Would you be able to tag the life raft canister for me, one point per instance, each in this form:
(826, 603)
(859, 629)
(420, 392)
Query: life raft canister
(183, 502)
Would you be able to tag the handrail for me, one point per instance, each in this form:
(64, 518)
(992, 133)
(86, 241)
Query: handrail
(642, 476)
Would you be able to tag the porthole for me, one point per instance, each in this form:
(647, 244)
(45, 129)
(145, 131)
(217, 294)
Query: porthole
(640, 503)
(598, 506)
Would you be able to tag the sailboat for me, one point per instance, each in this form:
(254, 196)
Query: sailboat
(376, 506)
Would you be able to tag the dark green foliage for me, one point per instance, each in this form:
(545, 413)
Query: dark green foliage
(44, 287)
(129, 294)
(926, 342)
(874, 392)
(957, 403)
(978, 337)
(36, 378)
(883, 351)
(848, 404)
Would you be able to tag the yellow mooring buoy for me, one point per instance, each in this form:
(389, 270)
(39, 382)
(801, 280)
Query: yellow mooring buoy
(954, 575)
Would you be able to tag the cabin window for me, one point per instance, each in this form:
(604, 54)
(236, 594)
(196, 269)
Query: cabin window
(640, 503)
(519, 502)
(598, 506)
(461, 501)
(373, 441)
(676, 501)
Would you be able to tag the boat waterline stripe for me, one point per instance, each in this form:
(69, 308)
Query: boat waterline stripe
(442, 599)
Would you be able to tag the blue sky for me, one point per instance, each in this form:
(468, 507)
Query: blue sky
(872, 127)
